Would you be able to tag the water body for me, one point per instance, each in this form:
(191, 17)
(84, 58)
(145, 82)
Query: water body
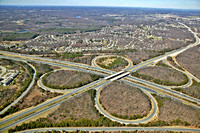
(23, 31)
(78, 16)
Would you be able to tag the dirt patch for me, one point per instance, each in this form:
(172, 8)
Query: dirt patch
(190, 60)
(77, 108)
(108, 61)
(35, 97)
(121, 99)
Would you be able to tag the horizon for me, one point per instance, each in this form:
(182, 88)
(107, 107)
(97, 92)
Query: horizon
(97, 7)
(167, 4)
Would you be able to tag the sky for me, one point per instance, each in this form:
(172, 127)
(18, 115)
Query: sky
(177, 4)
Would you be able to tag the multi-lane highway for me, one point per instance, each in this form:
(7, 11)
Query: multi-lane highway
(10, 121)
(145, 86)
(109, 129)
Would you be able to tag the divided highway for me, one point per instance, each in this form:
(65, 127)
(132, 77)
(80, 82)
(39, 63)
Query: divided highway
(10, 121)
(145, 86)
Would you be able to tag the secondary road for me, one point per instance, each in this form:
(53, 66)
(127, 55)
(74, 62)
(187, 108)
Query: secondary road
(24, 93)
(185, 72)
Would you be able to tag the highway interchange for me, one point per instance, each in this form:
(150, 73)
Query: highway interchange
(146, 86)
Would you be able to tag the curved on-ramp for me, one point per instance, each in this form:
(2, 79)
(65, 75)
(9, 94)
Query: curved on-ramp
(151, 116)
(130, 63)
(40, 84)
(188, 76)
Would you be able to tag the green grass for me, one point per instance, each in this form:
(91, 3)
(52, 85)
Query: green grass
(70, 30)
(116, 63)
(72, 55)
(18, 36)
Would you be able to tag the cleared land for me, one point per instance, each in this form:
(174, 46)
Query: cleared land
(125, 101)
(113, 63)
(35, 97)
(177, 113)
(190, 60)
(162, 75)
(65, 79)
(36, 94)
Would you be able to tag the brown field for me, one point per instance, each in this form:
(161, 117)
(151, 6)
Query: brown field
(77, 108)
(35, 97)
(67, 78)
(163, 73)
(175, 110)
(122, 99)
(190, 60)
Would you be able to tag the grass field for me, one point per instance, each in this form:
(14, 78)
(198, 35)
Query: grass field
(112, 63)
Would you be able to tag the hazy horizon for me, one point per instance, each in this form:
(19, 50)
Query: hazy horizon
(167, 4)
